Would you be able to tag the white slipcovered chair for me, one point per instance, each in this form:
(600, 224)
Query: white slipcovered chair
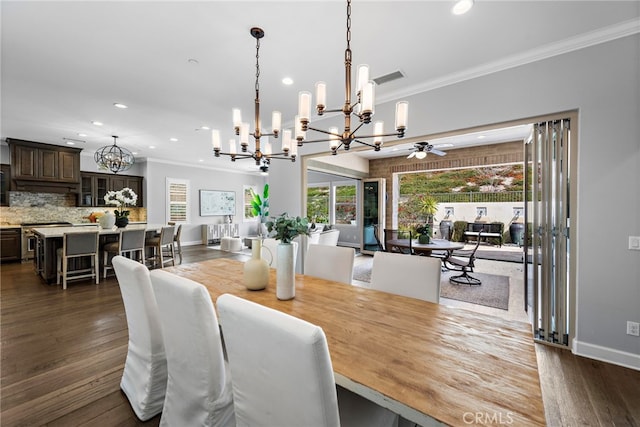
(330, 262)
(410, 276)
(144, 379)
(199, 384)
(329, 237)
(282, 372)
(270, 251)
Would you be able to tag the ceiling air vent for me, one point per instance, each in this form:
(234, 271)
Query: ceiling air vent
(388, 77)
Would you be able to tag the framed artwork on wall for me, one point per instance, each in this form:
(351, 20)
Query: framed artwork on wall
(215, 202)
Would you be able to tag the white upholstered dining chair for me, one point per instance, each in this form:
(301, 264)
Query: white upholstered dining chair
(144, 379)
(199, 382)
(282, 373)
(330, 262)
(410, 276)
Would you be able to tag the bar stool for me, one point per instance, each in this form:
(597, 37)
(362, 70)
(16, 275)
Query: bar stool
(176, 240)
(159, 245)
(130, 242)
(76, 246)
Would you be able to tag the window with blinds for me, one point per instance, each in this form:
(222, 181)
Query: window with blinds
(178, 198)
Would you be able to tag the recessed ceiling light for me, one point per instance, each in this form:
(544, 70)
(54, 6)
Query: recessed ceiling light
(394, 149)
(205, 127)
(152, 146)
(482, 136)
(119, 105)
(287, 81)
(135, 153)
(70, 142)
(97, 123)
(82, 134)
(173, 139)
(462, 7)
(200, 160)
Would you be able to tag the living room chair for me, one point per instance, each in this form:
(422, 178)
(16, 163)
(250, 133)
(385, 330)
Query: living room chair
(162, 246)
(330, 262)
(410, 276)
(329, 237)
(144, 379)
(129, 242)
(282, 373)
(199, 382)
(465, 265)
(75, 247)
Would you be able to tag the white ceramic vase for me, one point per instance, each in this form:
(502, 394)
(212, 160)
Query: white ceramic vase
(285, 272)
(256, 270)
(108, 220)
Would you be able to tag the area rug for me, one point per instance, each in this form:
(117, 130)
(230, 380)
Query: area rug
(493, 292)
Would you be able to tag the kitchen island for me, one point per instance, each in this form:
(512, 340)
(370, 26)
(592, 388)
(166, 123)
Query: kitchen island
(50, 239)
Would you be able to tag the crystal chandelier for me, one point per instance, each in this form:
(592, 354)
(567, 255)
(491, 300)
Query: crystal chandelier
(261, 155)
(363, 109)
(114, 158)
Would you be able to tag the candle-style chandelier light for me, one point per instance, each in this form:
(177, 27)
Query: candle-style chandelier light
(261, 155)
(114, 158)
(363, 109)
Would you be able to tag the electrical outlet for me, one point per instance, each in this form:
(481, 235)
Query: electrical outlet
(634, 243)
(633, 328)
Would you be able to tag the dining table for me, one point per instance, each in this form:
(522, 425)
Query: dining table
(430, 363)
(425, 248)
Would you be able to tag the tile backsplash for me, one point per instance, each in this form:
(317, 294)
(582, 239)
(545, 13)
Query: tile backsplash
(45, 207)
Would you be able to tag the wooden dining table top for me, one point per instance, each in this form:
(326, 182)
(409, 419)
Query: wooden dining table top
(427, 362)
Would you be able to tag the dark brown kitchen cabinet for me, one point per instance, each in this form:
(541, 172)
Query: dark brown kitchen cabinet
(94, 186)
(10, 240)
(44, 167)
(5, 184)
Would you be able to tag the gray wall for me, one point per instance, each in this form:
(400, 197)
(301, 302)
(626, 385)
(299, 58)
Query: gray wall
(199, 178)
(602, 82)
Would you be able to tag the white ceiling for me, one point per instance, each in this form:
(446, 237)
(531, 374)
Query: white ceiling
(65, 64)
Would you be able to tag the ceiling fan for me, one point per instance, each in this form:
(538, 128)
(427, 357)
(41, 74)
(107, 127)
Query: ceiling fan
(421, 149)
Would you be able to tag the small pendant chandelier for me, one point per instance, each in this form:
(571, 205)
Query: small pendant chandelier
(114, 158)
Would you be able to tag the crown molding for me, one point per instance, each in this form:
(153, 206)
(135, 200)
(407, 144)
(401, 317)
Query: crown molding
(592, 38)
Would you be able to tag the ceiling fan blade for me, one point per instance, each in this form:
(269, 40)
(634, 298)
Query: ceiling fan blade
(412, 155)
(437, 152)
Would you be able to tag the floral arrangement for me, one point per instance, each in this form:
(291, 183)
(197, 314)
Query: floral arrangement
(423, 229)
(287, 228)
(122, 198)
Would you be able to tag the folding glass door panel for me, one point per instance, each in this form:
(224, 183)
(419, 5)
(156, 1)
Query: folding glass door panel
(548, 234)
(372, 213)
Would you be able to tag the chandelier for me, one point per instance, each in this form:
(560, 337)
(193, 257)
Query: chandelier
(363, 109)
(262, 156)
(114, 158)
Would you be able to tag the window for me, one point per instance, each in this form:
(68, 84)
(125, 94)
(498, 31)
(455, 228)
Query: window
(346, 204)
(318, 204)
(247, 209)
(178, 199)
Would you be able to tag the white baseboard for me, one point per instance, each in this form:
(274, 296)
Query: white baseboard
(605, 354)
(192, 243)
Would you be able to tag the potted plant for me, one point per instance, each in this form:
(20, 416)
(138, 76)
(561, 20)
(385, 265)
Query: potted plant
(122, 199)
(424, 233)
(285, 229)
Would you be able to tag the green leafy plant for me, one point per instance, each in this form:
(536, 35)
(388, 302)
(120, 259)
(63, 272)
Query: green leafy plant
(288, 228)
(260, 205)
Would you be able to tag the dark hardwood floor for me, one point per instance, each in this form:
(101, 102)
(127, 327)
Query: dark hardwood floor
(63, 353)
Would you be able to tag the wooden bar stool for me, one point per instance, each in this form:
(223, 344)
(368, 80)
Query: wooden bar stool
(130, 242)
(76, 246)
(163, 249)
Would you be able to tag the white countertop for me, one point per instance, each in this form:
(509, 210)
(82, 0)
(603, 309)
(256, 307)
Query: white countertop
(49, 232)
